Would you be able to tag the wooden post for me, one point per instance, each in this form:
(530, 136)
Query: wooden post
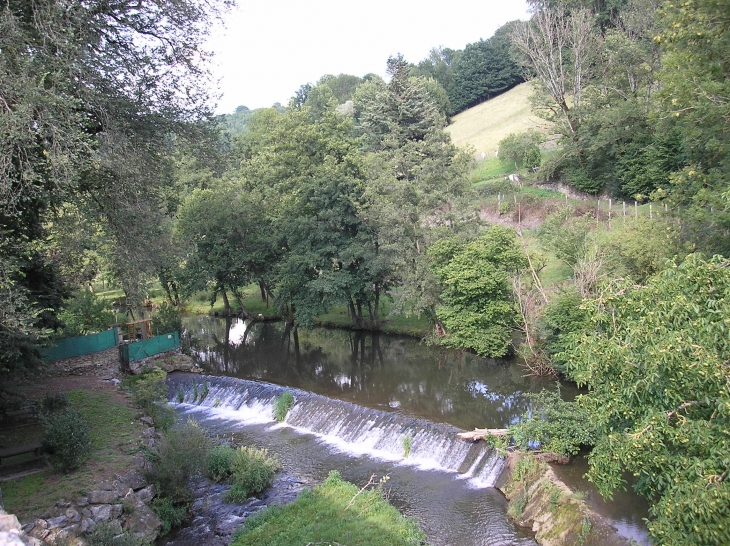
(610, 204)
(636, 209)
(651, 215)
(598, 208)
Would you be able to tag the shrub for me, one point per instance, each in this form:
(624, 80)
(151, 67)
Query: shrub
(170, 514)
(53, 402)
(85, 314)
(109, 533)
(150, 394)
(219, 465)
(66, 439)
(167, 319)
(180, 455)
(253, 471)
(282, 405)
(407, 444)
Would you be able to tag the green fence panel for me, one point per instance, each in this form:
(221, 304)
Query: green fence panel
(81, 345)
(150, 347)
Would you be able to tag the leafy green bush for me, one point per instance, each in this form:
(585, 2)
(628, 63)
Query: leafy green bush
(167, 319)
(282, 405)
(150, 393)
(85, 314)
(253, 471)
(170, 514)
(559, 426)
(53, 402)
(109, 533)
(180, 455)
(66, 439)
(219, 465)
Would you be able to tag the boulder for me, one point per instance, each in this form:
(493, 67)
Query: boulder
(39, 530)
(134, 479)
(10, 539)
(117, 510)
(72, 515)
(8, 523)
(147, 421)
(144, 523)
(103, 512)
(60, 521)
(147, 494)
(86, 524)
(102, 497)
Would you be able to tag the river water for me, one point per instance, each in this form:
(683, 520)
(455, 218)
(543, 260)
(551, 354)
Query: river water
(358, 397)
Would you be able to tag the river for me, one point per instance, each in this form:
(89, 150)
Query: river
(359, 395)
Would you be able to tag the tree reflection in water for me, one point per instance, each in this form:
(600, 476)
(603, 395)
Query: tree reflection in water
(370, 369)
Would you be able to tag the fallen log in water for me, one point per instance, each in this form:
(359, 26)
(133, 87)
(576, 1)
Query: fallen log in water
(482, 433)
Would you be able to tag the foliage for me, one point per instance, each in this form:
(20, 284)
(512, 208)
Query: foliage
(167, 319)
(282, 405)
(66, 439)
(407, 445)
(563, 314)
(91, 94)
(150, 394)
(85, 314)
(558, 426)
(566, 236)
(180, 455)
(484, 70)
(523, 150)
(53, 402)
(477, 309)
(655, 361)
(219, 465)
(253, 471)
(171, 514)
(324, 515)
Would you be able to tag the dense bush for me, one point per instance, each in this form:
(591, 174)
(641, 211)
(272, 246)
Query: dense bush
(53, 402)
(170, 514)
(253, 471)
(180, 455)
(167, 319)
(66, 439)
(85, 314)
(219, 465)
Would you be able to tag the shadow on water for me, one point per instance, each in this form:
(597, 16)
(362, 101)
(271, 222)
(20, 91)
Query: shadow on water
(392, 373)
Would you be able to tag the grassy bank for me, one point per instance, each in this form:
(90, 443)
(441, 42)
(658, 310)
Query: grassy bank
(114, 436)
(333, 513)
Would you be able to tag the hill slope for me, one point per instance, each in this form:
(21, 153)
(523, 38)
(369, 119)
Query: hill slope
(483, 126)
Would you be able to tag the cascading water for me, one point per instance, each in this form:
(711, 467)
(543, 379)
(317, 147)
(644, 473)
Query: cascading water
(344, 426)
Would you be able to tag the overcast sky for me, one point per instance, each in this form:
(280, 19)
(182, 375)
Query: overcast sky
(267, 50)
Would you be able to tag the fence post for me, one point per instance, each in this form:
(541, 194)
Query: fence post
(636, 209)
(651, 215)
(610, 205)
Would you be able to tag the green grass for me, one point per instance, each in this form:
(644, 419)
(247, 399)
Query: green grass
(490, 168)
(322, 516)
(114, 433)
(483, 126)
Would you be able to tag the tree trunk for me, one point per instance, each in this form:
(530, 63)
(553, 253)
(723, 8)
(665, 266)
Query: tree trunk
(226, 304)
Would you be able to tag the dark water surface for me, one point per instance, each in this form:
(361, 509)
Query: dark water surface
(392, 374)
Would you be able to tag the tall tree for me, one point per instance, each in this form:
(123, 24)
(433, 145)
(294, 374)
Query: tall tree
(90, 94)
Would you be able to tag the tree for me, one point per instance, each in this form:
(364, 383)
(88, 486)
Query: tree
(522, 149)
(477, 308)
(655, 360)
(91, 93)
(484, 70)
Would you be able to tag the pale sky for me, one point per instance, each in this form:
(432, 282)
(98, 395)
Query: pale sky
(268, 50)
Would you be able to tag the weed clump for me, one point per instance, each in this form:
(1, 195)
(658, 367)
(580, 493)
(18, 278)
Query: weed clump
(252, 471)
(150, 394)
(219, 465)
(282, 405)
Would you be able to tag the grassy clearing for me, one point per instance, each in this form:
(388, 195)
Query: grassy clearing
(114, 437)
(323, 516)
(490, 168)
(483, 126)
(415, 326)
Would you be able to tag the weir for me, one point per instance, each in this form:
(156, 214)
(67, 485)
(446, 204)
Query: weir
(346, 427)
